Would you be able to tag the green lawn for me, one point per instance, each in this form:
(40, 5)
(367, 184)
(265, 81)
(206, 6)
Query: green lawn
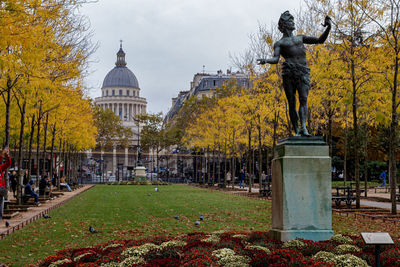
(127, 212)
(374, 183)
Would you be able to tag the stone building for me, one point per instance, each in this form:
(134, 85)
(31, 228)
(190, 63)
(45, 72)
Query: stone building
(121, 93)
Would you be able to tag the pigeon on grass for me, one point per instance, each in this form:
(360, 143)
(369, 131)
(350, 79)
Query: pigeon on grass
(92, 230)
(201, 217)
(176, 217)
(197, 223)
(46, 216)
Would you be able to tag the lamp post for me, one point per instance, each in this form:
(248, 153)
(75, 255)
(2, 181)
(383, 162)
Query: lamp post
(138, 151)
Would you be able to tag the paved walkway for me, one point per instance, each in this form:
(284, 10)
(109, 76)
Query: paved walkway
(375, 204)
(377, 193)
(34, 213)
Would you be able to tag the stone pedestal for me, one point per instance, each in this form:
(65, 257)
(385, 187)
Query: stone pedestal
(301, 190)
(140, 173)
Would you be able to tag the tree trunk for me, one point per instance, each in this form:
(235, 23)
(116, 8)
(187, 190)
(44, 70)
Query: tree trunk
(345, 154)
(249, 159)
(259, 157)
(20, 149)
(219, 164)
(366, 162)
(393, 138)
(274, 139)
(38, 145)
(53, 138)
(355, 128)
(30, 147)
(214, 164)
(226, 163)
(45, 143)
(8, 104)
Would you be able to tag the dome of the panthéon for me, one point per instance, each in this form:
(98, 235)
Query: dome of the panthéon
(120, 75)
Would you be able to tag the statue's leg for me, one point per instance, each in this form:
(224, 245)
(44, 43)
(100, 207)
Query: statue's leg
(290, 91)
(303, 89)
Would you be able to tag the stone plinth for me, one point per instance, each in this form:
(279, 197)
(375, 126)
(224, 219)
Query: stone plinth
(301, 190)
(140, 173)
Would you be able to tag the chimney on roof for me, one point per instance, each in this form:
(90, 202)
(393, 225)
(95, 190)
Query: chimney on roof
(174, 101)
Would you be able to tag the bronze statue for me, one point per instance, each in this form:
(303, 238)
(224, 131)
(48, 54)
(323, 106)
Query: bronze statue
(295, 73)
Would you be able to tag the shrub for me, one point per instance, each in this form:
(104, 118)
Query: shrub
(341, 249)
(349, 260)
(342, 239)
(293, 244)
(325, 256)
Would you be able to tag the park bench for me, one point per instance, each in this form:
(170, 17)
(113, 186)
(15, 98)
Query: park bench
(344, 193)
(265, 189)
(9, 214)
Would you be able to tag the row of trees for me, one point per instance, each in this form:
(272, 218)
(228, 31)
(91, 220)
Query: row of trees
(44, 51)
(353, 98)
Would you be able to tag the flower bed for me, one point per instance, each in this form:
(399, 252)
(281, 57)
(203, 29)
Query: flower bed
(226, 249)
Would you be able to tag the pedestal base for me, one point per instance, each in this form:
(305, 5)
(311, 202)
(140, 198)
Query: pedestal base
(140, 173)
(301, 190)
(286, 235)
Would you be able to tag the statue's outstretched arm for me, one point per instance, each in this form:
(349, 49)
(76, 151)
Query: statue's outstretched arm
(324, 35)
(274, 59)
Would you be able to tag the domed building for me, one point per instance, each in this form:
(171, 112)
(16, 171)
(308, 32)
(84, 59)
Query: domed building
(120, 92)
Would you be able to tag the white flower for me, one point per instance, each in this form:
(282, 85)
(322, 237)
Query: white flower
(173, 243)
(349, 260)
(59, 262)
(77, 258)
(325, 256)
(259, 248)
(342, 239)
(212, 239)
(227, 257)
(293, 244)
(139, 250)
(341, 249)
(112, 245)
(131, 260)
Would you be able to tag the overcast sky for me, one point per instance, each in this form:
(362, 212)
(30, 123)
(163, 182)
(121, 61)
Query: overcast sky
(167, 41)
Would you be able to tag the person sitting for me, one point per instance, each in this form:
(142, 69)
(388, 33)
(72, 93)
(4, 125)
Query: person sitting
(44, 184)
(30, 192)
(64, 184)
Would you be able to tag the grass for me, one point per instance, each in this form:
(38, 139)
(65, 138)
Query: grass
(127, 212)
(370, 184)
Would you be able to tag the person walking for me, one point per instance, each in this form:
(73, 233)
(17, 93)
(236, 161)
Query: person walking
(3, 190)
(228, 177)
(241, 179)
(13, 183)
(383, 177)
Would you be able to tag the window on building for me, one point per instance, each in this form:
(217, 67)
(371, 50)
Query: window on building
(107, 93)
(113, 92)
(127, 92)
(120, 92)
(120, 113)
(215, 82)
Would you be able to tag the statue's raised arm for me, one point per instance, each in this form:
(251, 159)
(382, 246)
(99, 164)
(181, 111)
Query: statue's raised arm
(324, 35)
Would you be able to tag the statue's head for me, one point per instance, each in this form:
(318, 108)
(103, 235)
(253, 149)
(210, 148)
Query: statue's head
(286, 22)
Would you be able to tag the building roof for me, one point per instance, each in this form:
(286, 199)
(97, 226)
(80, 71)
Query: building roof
(120, 75)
